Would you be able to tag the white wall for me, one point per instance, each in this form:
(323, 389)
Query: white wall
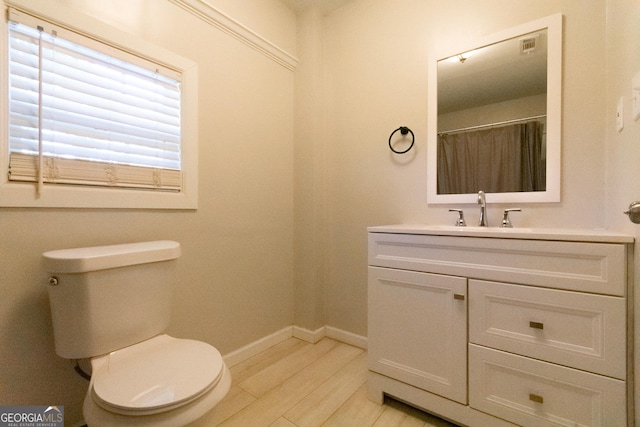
(310, 174)
(237, 262)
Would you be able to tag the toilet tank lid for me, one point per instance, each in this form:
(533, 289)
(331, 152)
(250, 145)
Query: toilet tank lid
(82, 260)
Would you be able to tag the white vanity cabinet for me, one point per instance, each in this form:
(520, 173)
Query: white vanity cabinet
(502, 327)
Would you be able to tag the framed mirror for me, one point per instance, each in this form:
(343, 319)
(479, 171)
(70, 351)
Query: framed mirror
(494, 118)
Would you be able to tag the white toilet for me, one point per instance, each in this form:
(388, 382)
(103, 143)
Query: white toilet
(112, 304)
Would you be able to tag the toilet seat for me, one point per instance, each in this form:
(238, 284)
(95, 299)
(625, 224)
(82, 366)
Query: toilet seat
(155, 376)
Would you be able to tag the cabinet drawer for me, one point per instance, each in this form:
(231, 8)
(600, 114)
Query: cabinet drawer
(588, 267)
(583, 331)
(535, 393)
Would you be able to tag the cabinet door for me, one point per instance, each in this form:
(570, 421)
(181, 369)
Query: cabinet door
(418, 330)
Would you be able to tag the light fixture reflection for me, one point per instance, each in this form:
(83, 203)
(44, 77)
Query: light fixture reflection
(462, 57)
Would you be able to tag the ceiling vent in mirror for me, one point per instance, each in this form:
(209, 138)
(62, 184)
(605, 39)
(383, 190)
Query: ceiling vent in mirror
(528, 44)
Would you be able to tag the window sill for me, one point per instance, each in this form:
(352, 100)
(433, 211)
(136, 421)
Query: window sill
(69, 196)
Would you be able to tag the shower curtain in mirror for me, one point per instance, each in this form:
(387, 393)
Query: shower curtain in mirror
(496, 160)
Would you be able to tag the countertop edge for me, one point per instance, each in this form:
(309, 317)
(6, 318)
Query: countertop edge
(559, 234)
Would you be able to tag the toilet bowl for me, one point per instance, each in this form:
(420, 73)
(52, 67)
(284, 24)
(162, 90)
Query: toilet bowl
(163, 381)
(111, 304)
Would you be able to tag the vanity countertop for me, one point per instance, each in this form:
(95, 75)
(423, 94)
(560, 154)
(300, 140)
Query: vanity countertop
(564, 234)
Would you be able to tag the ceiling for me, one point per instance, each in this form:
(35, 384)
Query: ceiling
(326, 6)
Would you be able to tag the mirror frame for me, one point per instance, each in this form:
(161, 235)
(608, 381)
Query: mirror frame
(553, 24)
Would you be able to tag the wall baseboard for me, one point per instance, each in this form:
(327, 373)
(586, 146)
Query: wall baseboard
(347, 337)
(251, 349)
(309, 336)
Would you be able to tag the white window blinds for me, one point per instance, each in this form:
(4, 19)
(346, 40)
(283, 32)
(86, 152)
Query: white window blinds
(82, 112)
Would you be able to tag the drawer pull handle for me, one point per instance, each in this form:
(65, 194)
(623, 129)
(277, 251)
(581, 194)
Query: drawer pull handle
(536, 325)
(536, 398)
(458, 296)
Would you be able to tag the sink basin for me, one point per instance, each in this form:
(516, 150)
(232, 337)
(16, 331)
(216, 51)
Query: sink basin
(473, 228)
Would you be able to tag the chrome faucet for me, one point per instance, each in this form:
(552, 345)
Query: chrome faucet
(483, 209)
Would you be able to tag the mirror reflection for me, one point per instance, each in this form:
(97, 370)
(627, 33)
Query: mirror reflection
(497, 115)
(492, 105)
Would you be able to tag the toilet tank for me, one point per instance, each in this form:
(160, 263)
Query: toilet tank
(104, 298)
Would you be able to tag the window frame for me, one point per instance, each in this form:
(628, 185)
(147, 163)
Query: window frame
(24, 194)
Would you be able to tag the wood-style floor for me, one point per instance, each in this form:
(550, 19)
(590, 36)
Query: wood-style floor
(296, 383)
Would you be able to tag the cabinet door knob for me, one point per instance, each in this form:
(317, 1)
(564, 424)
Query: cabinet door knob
(458, 296)
(536, 398)
(536, 325)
